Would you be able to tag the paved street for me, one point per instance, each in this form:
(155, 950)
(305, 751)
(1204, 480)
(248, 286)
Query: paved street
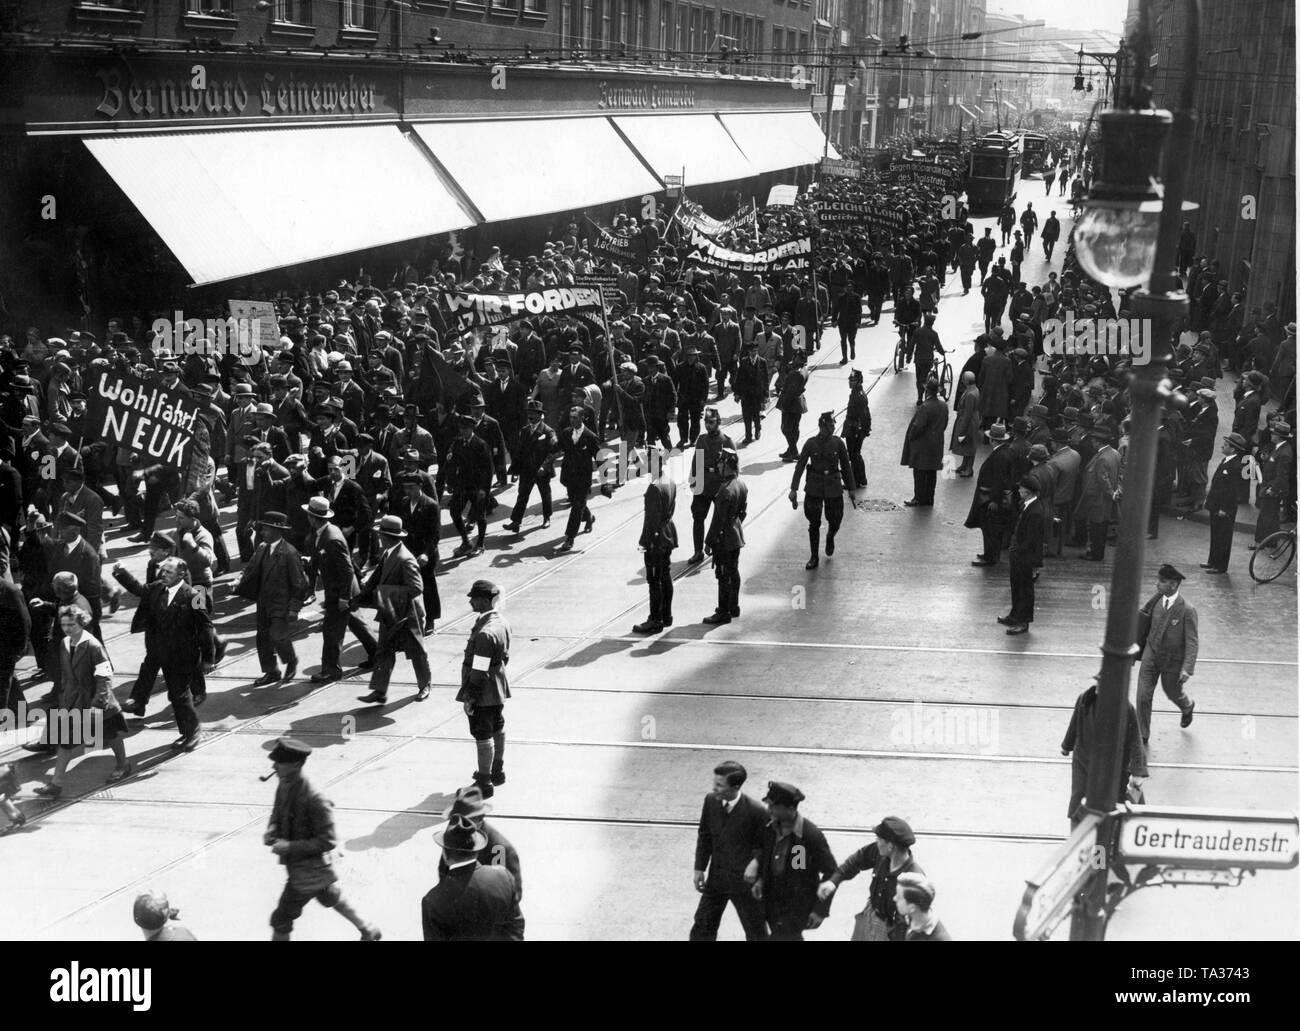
(834, 680)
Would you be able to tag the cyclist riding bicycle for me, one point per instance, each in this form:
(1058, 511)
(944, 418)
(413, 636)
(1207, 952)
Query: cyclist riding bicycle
(907, 316)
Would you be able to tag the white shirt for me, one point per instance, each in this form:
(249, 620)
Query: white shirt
(467, 862)
(577, 434)
(171, 591)
(727, 806)
(1169, 601)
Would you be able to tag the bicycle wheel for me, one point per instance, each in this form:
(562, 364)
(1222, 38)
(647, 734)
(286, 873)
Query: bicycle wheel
(899, 355)
(1272, 556)
(945, 381)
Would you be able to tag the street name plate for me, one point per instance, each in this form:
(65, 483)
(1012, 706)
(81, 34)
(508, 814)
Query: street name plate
(1209, 838)
(1050, 893)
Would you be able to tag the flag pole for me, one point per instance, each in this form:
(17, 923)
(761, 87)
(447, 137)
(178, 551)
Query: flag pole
(613, 363)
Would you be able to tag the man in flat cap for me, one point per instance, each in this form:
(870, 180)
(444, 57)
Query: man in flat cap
(275, 581)
(472, 901)
(484, 686)
(1169, 639)
(396, 590)
(156, 918)
(793, 860)
(532, 463)
(301, 833)
(888, 857)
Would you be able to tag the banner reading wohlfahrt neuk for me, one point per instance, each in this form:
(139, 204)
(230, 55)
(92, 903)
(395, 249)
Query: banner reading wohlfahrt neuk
(125, 411)
(470, 310)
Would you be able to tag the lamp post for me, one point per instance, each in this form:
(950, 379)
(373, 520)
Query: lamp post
(1129, 234)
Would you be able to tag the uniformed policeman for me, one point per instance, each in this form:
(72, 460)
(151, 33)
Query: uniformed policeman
(301, 833)
(484, 687)
(830, 472)
(707, 476)
(658, 539)
(726, 536)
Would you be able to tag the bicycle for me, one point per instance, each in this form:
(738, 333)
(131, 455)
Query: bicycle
(905, 330)
(1272, 556)
(943, 373)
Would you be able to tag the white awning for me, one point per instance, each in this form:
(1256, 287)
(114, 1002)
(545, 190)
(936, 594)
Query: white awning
(777, 141)
(698, 143)
(515, 168)
(238, 202)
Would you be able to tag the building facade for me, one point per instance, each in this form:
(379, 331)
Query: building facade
(1243, 177)
(204, 142)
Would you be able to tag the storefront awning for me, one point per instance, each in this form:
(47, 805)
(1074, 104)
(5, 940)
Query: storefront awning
(777, 141)
(697, 143)
(520, 167)
(234, 203)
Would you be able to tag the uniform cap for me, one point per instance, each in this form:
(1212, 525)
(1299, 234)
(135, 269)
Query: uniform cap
(290, 750)
(1168, 572)
(782, 793)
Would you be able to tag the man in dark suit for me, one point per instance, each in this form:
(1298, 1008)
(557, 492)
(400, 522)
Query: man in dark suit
(161, 547)
(469, 481)
(1168, 634)
(270, 481)
(179, 630)
(471, 902)
(275, 580)
(793, 859)
(396, 590)
(468, 807)
(658, 539)
(532, 464)
(504, 398)
(993, 506)
(750, 383)
(923, 446)
(269, 431)
(352, 514)
(422, 518)
(579, 446)
(1026, 555)
(726, 849)
(331, 560)
(726, 537)
(1099, 484)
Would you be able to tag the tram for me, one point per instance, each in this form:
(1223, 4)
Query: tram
(994, 171)
(1034, 151)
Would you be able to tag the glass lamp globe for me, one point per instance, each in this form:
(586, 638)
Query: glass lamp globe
(1116, 245)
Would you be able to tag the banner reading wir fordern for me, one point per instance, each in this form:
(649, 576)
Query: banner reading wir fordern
(127, 411)
(780, 257)
(470, 310)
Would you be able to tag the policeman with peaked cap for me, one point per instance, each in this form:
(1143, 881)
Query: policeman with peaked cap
(301, 833)
(707, 475)
(484, 686)
(726, 536)
(830, 473)
(793, 861)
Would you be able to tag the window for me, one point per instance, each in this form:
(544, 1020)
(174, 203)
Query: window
(624, 19)
(639, 35)
(534, 6)
(359, 14)
(710, 40)
(566, 23)
(693, 41)
(665, 26)
(683, 28)
(297, 12)
(587, 30)
(608, 14)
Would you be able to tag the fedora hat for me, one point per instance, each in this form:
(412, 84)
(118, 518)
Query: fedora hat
(318, 507)
(276, 520)
(461, 837)
(390, 526)
(467, 805)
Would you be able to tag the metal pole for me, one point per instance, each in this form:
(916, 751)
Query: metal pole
(1164, 305)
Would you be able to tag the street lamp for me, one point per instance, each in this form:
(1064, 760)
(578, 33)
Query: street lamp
(1132, 144)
